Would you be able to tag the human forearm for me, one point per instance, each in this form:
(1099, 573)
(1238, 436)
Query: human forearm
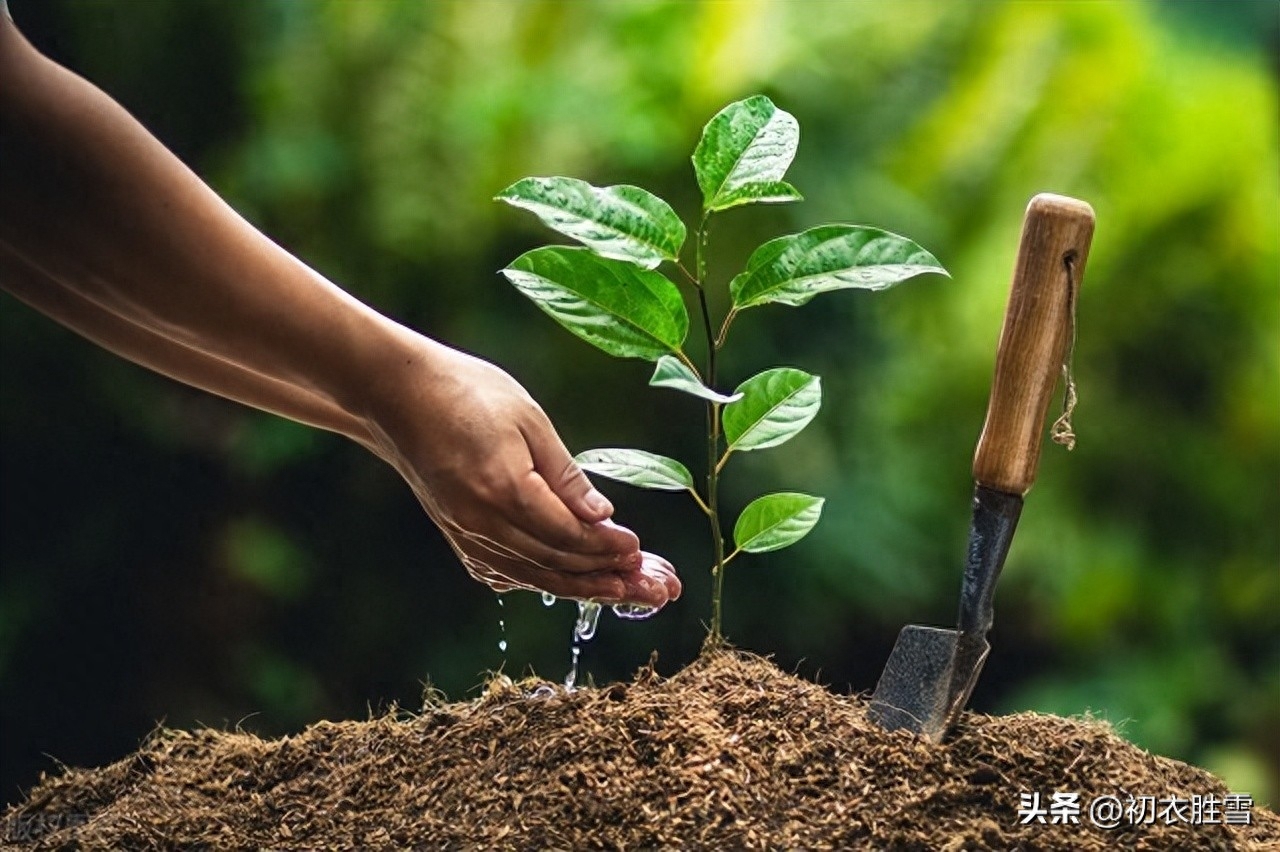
(165, 356)
(91, 199)
(105, 230)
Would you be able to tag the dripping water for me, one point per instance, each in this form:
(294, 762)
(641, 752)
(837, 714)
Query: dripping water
(588, 617)
(584, 630)
(502, 631)
(633, 612)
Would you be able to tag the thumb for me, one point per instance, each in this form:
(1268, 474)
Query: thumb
(551, 460)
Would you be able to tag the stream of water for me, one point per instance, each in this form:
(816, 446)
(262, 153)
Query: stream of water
(584, 628)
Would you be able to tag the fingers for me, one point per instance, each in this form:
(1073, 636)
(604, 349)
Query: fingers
(652, 583)
(663, 571)
(551, 461)
(619, 553)
(539, 512)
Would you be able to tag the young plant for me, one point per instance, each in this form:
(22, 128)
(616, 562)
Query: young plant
(609, 293)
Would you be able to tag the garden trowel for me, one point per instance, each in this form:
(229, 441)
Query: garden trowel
(932, 671)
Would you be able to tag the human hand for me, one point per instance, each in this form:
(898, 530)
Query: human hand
(488, 467)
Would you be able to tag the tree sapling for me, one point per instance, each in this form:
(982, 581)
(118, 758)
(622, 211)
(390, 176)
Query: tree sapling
(608, 293)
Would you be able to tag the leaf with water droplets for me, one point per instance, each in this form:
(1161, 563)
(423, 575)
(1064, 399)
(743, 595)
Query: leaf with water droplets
(743, 154)
(775, 521)
(616, 306)
(638, 468)
(793, 269)
(622, 222)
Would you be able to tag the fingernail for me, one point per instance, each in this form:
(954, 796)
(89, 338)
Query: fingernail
(598, 503)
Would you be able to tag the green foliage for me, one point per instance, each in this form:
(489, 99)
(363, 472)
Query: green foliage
(673, 373)
(775, 521)
(637, 467)
(622, 222)
(776, 405)
(744, 153)
(626, 311)
(792, 270)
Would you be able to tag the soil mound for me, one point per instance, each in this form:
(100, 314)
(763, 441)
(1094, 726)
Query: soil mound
(731, 753)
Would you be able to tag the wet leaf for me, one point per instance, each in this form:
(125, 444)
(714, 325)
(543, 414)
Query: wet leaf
(793, 269)
(775, 521)
(620, 222)
(671, 372)
(743, 154)
(775, 406)
(637, 467)
(616, 306)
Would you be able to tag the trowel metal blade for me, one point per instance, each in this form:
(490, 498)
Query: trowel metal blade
(927, 680)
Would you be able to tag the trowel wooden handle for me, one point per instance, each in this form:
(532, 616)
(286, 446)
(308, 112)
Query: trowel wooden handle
(1038, 328)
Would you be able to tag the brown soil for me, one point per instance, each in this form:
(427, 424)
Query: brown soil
(731, 753)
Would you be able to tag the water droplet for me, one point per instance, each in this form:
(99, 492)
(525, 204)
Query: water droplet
(544, 690)
(634, 612)
(588, 617)
(548, 599)
(502, 630)
(572, 677)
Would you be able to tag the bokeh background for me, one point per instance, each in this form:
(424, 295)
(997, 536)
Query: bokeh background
(170, 557)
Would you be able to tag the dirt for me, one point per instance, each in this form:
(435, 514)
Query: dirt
(731, 753)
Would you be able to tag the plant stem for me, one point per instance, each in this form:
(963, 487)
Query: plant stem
(717, 537)
(724, 327)
(716, 637)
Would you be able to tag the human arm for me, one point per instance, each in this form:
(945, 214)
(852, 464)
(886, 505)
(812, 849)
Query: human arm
(104, 229)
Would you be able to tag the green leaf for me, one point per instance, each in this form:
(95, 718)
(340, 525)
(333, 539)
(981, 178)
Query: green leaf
(793, 269)
(671, 372)
(624, 310)
(621, 222)
(743, 154)
(775, 521)
(757, 193)
(775, 406)
(636, 467)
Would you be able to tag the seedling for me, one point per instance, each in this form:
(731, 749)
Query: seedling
(608, 293)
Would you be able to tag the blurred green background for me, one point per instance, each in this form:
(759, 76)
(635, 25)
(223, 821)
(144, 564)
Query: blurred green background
(168, 556)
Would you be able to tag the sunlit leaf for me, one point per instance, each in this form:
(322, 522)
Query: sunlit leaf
(743, 154)
(625, 310)
(637, 467)
(775, 406)
(621, 222)
(793, 269)
(775, 521)
(671, 372)
(760, 193)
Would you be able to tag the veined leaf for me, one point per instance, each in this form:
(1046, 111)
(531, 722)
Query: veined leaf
(775, 521)
(625, 310)
(750, 143)
(775, 406)
(636, 467)
(793, 269)
(760, 193)
(671, 372)
(621, 222)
